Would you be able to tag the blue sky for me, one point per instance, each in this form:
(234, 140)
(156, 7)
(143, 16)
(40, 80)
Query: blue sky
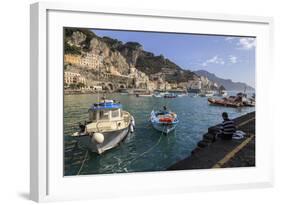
(226, 56)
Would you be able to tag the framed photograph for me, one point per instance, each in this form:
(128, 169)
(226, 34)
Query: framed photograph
(131, 102)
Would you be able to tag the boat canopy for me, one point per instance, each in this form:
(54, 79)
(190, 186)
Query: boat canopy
(105, 105)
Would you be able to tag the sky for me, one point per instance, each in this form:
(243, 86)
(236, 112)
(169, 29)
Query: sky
(228, 57)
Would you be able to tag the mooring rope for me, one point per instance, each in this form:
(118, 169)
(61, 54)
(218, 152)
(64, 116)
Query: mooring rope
(85, 158)
(148, 150)
(142, 154)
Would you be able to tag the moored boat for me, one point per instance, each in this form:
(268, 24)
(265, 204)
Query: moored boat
(164, 121)
(108, 125)
(224, 102)
(183, 94)
(157, 95)
(249, 102)
(144, 95)
(207, 93)
(170, 95)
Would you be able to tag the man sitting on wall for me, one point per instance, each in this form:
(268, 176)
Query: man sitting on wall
(228, 128)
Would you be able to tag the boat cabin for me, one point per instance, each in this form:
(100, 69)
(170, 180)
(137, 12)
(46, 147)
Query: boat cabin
(107, 111)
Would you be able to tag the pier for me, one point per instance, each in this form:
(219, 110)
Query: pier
(223, 153)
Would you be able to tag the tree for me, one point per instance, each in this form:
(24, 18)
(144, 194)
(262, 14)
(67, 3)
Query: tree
(80, 85)
(72, 86)
(71, 49)
(221, 88)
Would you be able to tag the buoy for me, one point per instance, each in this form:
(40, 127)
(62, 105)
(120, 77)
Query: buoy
(98, 137)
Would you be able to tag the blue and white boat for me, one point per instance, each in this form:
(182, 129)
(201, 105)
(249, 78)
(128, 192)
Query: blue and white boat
(164, 121)
(108, 125)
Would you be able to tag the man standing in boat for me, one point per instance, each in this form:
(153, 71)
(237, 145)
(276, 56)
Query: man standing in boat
(165, 110)
(228, 128)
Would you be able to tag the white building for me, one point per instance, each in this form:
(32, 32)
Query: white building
(91, 60)
(73, 78)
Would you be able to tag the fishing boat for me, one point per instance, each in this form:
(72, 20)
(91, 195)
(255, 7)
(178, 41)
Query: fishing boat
(182, 94)
(164, 121)
(170, 95)
(207, 93)
(249, 102)
(108, 125)
(225, 102)
(144, 95)
(157, 95)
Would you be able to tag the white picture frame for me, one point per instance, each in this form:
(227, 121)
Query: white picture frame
(46, 177)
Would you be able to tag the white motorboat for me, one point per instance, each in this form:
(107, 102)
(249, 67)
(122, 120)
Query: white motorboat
(157, 95)
(207, 93)
(108, 125)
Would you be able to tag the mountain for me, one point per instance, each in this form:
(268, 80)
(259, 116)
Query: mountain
(121, 56)
(227, 83)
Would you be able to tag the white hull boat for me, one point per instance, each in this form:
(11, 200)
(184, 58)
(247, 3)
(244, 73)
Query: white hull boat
(108, 125)
(157, 95)
(145, 95)
(208, 93)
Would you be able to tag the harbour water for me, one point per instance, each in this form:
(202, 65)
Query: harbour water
(146, 149)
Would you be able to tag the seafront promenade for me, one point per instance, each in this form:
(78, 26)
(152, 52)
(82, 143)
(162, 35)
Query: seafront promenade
(220, 153)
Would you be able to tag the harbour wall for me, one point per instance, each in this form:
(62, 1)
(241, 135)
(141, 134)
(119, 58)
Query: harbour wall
(211, 153)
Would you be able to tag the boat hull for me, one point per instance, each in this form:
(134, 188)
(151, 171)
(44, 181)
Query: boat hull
(223, 103)
(111, 140)
(165, 128)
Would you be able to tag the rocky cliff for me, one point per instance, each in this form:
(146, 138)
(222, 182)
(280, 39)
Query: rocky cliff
(120, 57)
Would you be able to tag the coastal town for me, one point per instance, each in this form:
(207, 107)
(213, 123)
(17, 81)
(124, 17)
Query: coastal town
(113, 81)
(102, 69)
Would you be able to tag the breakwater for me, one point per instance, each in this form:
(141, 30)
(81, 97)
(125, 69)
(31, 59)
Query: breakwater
(221, 153)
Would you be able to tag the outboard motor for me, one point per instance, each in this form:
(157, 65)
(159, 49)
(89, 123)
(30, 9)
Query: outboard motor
(82, 127)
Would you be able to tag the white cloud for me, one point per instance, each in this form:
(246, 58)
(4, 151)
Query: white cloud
(232, 59)
(242, 43)
(246, 43)
(213, 60)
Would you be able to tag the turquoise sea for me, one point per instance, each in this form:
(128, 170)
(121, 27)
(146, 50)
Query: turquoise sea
(146, 149)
